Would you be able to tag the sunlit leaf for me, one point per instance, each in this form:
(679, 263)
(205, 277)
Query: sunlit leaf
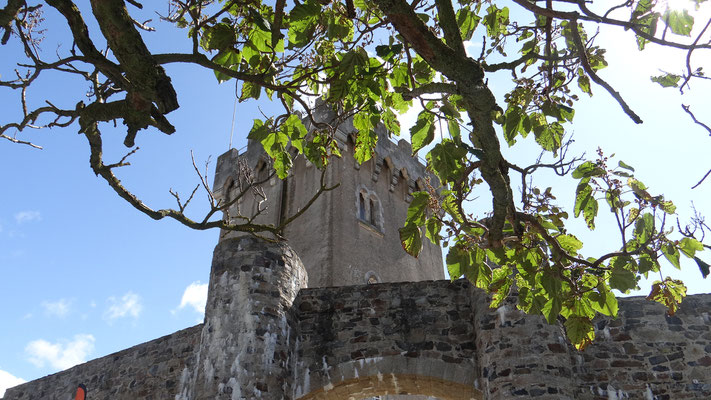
(679, 21)
(580, 331)
(422, 133)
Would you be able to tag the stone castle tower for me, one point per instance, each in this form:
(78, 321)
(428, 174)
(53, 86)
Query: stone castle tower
(349, 236)
(278, 328)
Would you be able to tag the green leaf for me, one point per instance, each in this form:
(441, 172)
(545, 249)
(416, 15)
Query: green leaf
(646, 20)
(366, 140)
(580, 331)
(258, 20)
(457, 262)
(454, 131)
(500, 286)
(470, 263)
(411, 239)
(550, 282)
(689, 246)
(295, 130)
(302, 23)
(584, 84)
(667, 80)
(586, 203)
(391, 122)
(496, 20)
(671, 254)
(570, 243)
(250, 90)
(228, 58)
(422, 133)
(644, 228)
(605, 303)
(512, 124)
(669, 292)
(417, 210)
(622, 279)
(552, 309)
(432, 229)
(549, 136)
(680, 22)
(646, 264)
(282, 163)
(338, 89)
(668, 207)
(447, 160)
(218, 37)
(703, 267)
(387, 52)
(587, 169)
(259, 131)
(624, 165)
(467, 22)
(590, 212)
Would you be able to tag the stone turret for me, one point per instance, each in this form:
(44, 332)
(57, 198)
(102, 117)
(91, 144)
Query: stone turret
(247, 340)
(349, 236)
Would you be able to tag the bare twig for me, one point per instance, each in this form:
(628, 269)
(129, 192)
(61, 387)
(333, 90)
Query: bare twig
(702, 180)
(696, 121)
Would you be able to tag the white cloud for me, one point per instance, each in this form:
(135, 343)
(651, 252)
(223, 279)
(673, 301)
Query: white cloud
(195, 296)
(60, 355)
(7, 380)
(27, 216)
(129, 305)
(59, 308)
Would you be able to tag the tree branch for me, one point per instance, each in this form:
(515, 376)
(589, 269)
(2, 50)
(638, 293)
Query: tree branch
(591, 72)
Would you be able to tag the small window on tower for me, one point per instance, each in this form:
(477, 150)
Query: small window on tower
(368, 209)
(373, 212)
(361, 206)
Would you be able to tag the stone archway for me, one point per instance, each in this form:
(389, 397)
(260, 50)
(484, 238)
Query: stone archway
(392, 384)
(390, 376)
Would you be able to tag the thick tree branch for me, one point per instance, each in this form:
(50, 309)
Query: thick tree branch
(448, 22)
(428, 88)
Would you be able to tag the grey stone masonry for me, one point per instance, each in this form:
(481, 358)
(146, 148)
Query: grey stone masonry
(266, 336)
(151, 370)
(247, 340)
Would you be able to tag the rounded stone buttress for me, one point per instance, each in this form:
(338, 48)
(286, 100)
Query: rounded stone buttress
(246, 339)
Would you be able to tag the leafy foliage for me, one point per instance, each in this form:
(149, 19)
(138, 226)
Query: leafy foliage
(371, 60)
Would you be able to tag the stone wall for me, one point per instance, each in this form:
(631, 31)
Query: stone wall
(646, 354)
(149, 371)
(263, 341)
(348, 335)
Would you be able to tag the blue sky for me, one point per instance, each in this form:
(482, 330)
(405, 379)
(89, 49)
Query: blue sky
(83, 274)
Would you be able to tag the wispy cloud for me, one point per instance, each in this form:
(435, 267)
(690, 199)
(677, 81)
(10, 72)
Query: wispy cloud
(59, 308)
(129, 305)
(60, 355)
(27, 216)
(195, 296)
(7, 380)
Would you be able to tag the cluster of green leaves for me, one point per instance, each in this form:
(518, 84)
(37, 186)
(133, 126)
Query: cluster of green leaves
(366, 70)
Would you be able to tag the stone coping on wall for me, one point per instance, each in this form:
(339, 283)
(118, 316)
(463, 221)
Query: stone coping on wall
(149, 370)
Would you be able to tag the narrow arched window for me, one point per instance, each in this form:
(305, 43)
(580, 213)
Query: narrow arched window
(361, 206)
(373, 211)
